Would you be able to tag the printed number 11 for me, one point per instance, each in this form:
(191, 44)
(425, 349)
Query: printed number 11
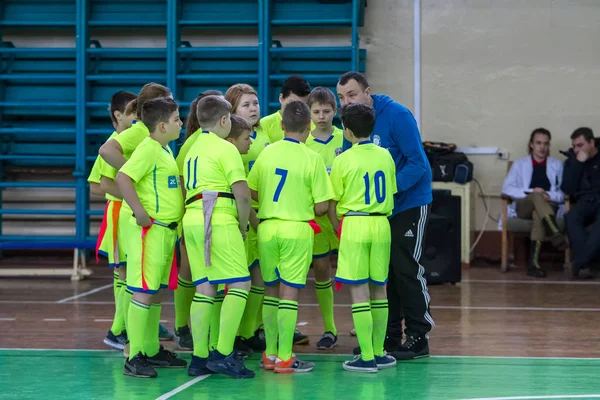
(283, 173)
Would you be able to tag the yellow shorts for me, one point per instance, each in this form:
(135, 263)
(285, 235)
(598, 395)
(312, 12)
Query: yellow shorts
(110, 243)
(364, 254)
(228, 254)
(251, 244)
(326, 241)
(156, 250)
(285, 249)
(124, 227)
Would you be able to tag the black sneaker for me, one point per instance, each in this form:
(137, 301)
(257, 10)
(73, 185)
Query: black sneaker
(327, 341)
(240, 347)
(198, 367)
(389, 346)
(166, 359)
(231, 365)
(256, 343)
(138, 367)
(184, 338)
(300, 338)
(415, 346)
(116, 341)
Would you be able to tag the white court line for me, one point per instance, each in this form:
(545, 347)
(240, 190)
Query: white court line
(7, 319)
(103, 320)
(54, 319)
(80, 295)
(182, 387)
(564, 396)
(531, 282)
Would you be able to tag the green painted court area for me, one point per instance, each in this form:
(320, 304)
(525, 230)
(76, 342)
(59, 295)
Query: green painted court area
(58, 374)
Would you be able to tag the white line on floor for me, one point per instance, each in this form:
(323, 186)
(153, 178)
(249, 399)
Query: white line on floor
(564, 396)
(54, 319)
(163, 321)
(7, 319)
(80, 295)
(531, 282)
(182, 387)
(103, 320)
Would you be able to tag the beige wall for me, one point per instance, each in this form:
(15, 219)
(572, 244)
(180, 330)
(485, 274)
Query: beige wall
(492, 71)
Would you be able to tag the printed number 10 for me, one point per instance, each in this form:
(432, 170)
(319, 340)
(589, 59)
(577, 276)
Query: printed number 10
(380, 192)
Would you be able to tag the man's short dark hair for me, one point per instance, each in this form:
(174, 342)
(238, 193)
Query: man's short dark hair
(541, 131)
(158, 110)
(210, 109)
(296, 117)
(119, 102)
(238, 126)
(357, 76)
(359, 118)
(587, 134)
(297, 85)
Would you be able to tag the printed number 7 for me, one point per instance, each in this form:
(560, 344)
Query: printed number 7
(283, 173)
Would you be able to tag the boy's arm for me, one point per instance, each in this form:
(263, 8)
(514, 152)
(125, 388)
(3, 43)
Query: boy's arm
(332, 214)
(125, 184)
(241, 192)
(112, 153)
(253, 218)
(109, 186)
(96, 189)
(321, 208)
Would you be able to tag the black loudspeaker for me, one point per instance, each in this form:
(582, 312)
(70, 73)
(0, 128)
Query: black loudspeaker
(441, 256)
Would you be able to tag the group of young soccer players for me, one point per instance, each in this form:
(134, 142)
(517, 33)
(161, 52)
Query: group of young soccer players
(234, 223)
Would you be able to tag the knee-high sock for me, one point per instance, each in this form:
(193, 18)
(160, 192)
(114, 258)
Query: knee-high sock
(215, 322)
(202, 312)
(248, 324)
(270, 324)
(363, 323)
(118, 324)
(325, 299)
(287, 315)
(151, 343)
(183, 296)
(126, 301)
(379, 311)
(139, 314)
(231, 315)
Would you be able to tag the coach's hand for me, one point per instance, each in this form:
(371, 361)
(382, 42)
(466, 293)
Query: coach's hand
(142, 219)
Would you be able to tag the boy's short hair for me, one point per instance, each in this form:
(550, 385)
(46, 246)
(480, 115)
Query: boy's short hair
(359, 118)
(191, 122)
(296, 116)
(361, 79)
(210, 109)
(238, 126)
(119, 102)
(158, 110)
(322, 95)
(297, 85)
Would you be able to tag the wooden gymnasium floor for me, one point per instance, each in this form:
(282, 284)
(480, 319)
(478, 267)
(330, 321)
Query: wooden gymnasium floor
(498, 336)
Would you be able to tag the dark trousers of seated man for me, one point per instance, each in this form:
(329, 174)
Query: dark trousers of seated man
(542, 213)
(583, 228)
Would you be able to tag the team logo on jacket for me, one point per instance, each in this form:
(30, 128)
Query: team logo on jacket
(172, 182)
(376, 140)
(328, 168)
(338, 151)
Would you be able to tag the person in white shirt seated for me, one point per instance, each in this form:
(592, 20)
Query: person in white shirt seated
(533, 182)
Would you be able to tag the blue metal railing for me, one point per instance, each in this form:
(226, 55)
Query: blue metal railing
(67, 130)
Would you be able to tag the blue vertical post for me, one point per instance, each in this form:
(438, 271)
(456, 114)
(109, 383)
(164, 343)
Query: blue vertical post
(172, 45)
(355, 44)
(81, 192)
(262, 58)
(267, 62)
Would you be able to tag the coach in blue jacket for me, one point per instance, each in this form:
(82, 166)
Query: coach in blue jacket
(397, 131)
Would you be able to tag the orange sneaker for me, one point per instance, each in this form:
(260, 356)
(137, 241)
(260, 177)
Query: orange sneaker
(267, 362)
(293, 365)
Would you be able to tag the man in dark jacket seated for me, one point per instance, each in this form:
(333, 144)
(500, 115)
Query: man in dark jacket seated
(581, 182)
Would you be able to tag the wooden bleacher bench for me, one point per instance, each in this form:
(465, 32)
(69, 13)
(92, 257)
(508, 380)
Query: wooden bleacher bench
(78, 272)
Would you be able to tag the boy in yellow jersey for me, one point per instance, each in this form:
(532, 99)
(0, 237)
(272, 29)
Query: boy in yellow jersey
(244, 103)
(291, 185)
(326, 140)
(117, 151)
(150, 184)
(364, 182)
(294, 88)
(107, 243)
(215, 225)
(184, 294)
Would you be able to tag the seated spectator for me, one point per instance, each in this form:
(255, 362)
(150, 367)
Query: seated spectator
(533, 182)
(581, 182)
